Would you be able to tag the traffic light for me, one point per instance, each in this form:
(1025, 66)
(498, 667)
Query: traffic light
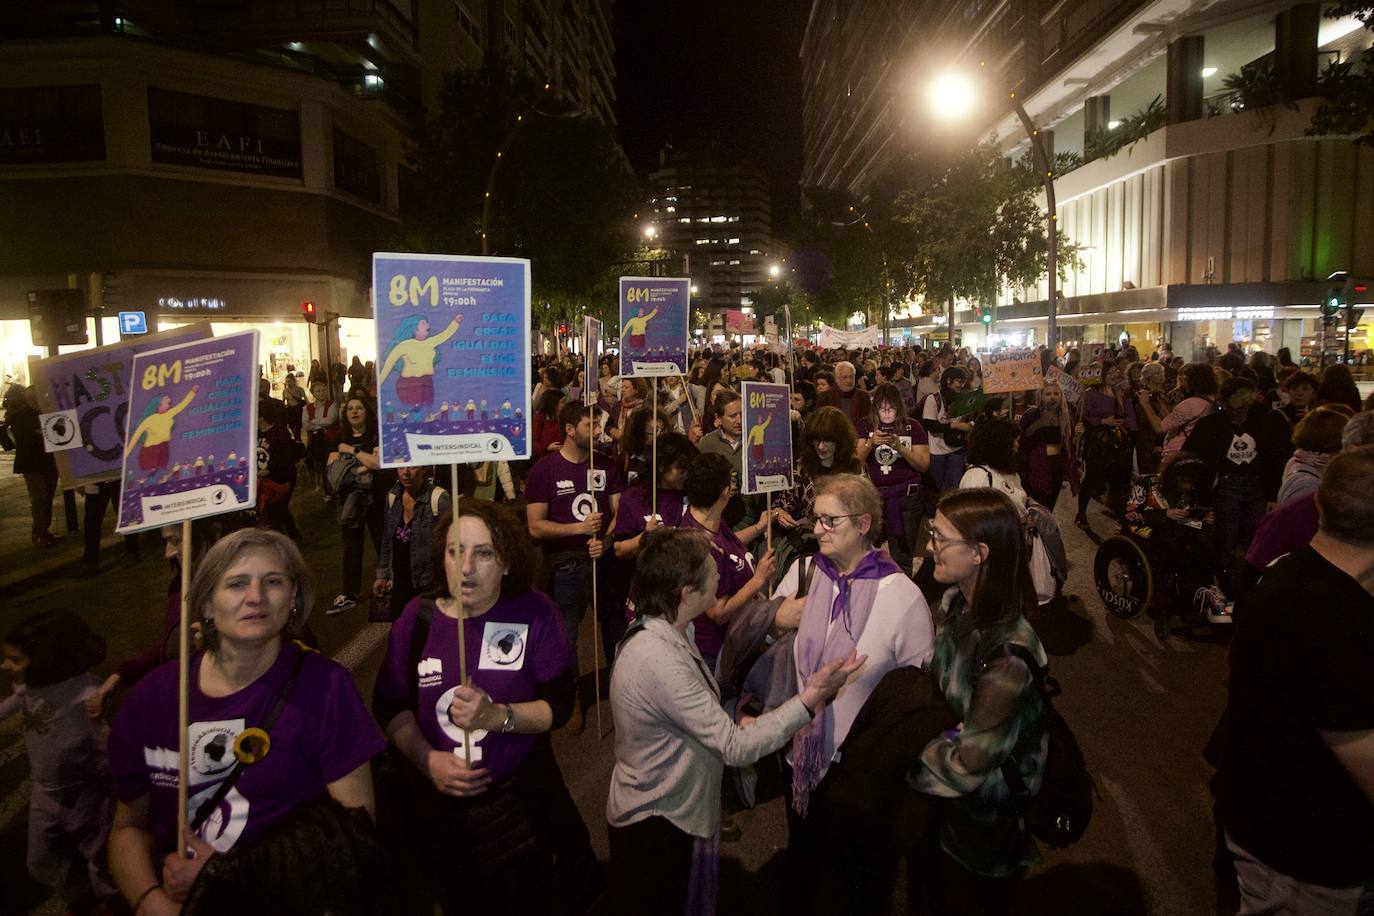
(986, 315)
(1333, 302)
(308, 310)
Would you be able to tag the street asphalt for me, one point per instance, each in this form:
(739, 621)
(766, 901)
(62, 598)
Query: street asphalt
(1142, 709)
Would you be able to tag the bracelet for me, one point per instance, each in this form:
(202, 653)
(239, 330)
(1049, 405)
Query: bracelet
(144, 896)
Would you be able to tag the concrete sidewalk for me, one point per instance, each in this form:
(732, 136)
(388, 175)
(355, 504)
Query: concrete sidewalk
(23, 565)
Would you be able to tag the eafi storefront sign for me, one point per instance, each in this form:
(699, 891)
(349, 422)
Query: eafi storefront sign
(212, 133)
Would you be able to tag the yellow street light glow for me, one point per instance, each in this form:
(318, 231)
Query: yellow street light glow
(774, 270)
(650, 232)
(952, 95)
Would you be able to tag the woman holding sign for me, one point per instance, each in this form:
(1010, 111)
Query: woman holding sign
(273, 728)
(490, 808)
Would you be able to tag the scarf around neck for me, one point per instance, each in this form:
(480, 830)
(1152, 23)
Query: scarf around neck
(818, 644)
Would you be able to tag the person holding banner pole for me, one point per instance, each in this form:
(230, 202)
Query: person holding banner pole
(569, 508)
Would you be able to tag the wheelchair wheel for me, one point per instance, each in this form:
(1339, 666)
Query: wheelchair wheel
(1122, 575)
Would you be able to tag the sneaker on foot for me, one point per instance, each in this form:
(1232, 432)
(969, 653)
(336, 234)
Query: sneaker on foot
(341, 604)
(1211, 603)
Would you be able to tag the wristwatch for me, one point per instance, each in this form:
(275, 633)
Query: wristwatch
(508, 725)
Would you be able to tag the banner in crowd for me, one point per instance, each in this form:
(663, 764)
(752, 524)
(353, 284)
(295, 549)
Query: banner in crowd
(192, 440)
(84, 398)
(591, 352)
(1010, 370)
(453, 345)
(830, 338)
(1073, 391)
(1092, 353)
(737, 322)
(653, 325)
(767, 427)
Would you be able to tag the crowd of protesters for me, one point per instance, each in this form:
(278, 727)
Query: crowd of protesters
(867, 635)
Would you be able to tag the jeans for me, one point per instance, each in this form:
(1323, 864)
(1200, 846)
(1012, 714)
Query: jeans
(947, 470)
(1240, 504)
(1266, 892)
(570, 587)
(42, 487)
(353, 548)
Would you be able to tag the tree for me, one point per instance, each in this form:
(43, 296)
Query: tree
(1347, 88)
(841, 246)
(563, 192)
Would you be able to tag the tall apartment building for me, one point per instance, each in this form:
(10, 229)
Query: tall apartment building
(231, 159)
(718, 213)
(1220, 224)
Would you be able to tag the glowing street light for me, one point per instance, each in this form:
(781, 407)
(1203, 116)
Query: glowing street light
(775, 271)
(650, 231)
(952, 96)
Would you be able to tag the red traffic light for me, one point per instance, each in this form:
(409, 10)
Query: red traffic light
(1361, 288)
(308, 310)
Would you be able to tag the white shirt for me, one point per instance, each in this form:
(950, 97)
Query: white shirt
(978, 476)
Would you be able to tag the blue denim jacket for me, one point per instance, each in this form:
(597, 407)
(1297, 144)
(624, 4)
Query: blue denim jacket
(421, 532)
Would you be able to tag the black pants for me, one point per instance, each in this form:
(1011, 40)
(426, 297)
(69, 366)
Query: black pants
(106, 496)
(963, 893)
(837, 862)
(651, 863)
(353, 548)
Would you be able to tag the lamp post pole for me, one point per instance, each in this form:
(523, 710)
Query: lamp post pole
(1042, 162)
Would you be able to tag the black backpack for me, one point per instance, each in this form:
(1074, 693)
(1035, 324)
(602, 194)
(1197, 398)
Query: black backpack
(1058, 814)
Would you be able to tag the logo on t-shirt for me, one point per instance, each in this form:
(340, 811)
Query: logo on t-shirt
(565, 487)
(225, 824)
(1242, 450)
(596, 480)
(431, 671)
(583, 506)
(212, 748)
(503, 646)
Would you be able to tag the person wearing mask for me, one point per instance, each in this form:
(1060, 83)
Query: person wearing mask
(252, 593)
(404, 569)
(946, 431)
(362, 494)
(1316, 440)
(569, 514)
(851, 400)
(978, 545)
(673, 738)
(1292, 751)
(858, 601)
(1245, 450)
(1108, 429)
(1047, 458)
(491, 795)
(708, 490)
(896, 452)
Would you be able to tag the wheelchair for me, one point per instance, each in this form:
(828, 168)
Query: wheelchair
(1155, 563)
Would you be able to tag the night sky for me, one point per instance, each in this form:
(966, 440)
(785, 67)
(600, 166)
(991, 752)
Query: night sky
(692, 71)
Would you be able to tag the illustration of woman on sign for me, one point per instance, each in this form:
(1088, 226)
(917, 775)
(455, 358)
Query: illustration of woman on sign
(417, 353)
(155, 429)
(756, 438)
(635, 328)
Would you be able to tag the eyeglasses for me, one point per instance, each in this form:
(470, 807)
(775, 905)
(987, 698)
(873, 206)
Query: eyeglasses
(939, 542)
(827, 522)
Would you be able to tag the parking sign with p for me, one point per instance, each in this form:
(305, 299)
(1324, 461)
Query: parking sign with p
(132, 323)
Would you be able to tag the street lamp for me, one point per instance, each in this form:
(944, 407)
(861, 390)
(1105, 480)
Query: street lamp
(952, 95)
(775, 271)
(650, 231)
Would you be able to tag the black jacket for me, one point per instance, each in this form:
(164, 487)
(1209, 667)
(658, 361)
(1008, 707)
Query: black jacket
(1222, 447)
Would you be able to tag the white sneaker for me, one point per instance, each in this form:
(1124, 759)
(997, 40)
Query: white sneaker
(1211, 602)
(341, 604)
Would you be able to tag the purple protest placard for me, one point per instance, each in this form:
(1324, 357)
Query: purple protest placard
(84, 398)
(453, 357)
(767, 425)
(653, 325)
(191, 446)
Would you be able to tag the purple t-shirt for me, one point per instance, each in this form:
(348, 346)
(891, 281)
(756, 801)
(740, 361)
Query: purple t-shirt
(1288, 529)
(564, 487)
(736, 567)
(886, 467)
(513, 648)
(323, 734)
(633, 514)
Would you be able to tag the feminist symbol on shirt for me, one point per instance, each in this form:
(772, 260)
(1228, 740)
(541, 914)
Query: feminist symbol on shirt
(455, 734)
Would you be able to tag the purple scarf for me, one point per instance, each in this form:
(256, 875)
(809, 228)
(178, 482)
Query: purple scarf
(814, 746)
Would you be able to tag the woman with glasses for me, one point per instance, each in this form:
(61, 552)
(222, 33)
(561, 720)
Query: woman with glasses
(490, 808)
(856, 600)
(978, 545)
(673, 738)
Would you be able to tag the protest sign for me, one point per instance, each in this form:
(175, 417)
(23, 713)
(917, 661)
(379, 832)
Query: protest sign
(191, 446)
(767, 425)
(591, 353)
(84, 398)
(1093, 352)
(737, 322)
(653, 325)
(1010, 370)
(453, 357)
(1073, 391)
(831, 338)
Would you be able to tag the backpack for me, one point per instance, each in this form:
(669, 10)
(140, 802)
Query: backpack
(434, 494)
(1060, 811)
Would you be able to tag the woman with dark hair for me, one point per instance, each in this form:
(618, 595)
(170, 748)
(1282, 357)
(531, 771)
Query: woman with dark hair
(361, 493)
(1200, 384)
(714, 381)
(896, 452)
(545, 433)
(803, 401)
(490, 795)
(635, 517)
(636, 444)
(980, 661)
(946, 431)
(673, 739)
(273, 728)
(824, 381)
(1338, 387)
(828, 446)
(1047, 457)
(404, 568)
(994, 460)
